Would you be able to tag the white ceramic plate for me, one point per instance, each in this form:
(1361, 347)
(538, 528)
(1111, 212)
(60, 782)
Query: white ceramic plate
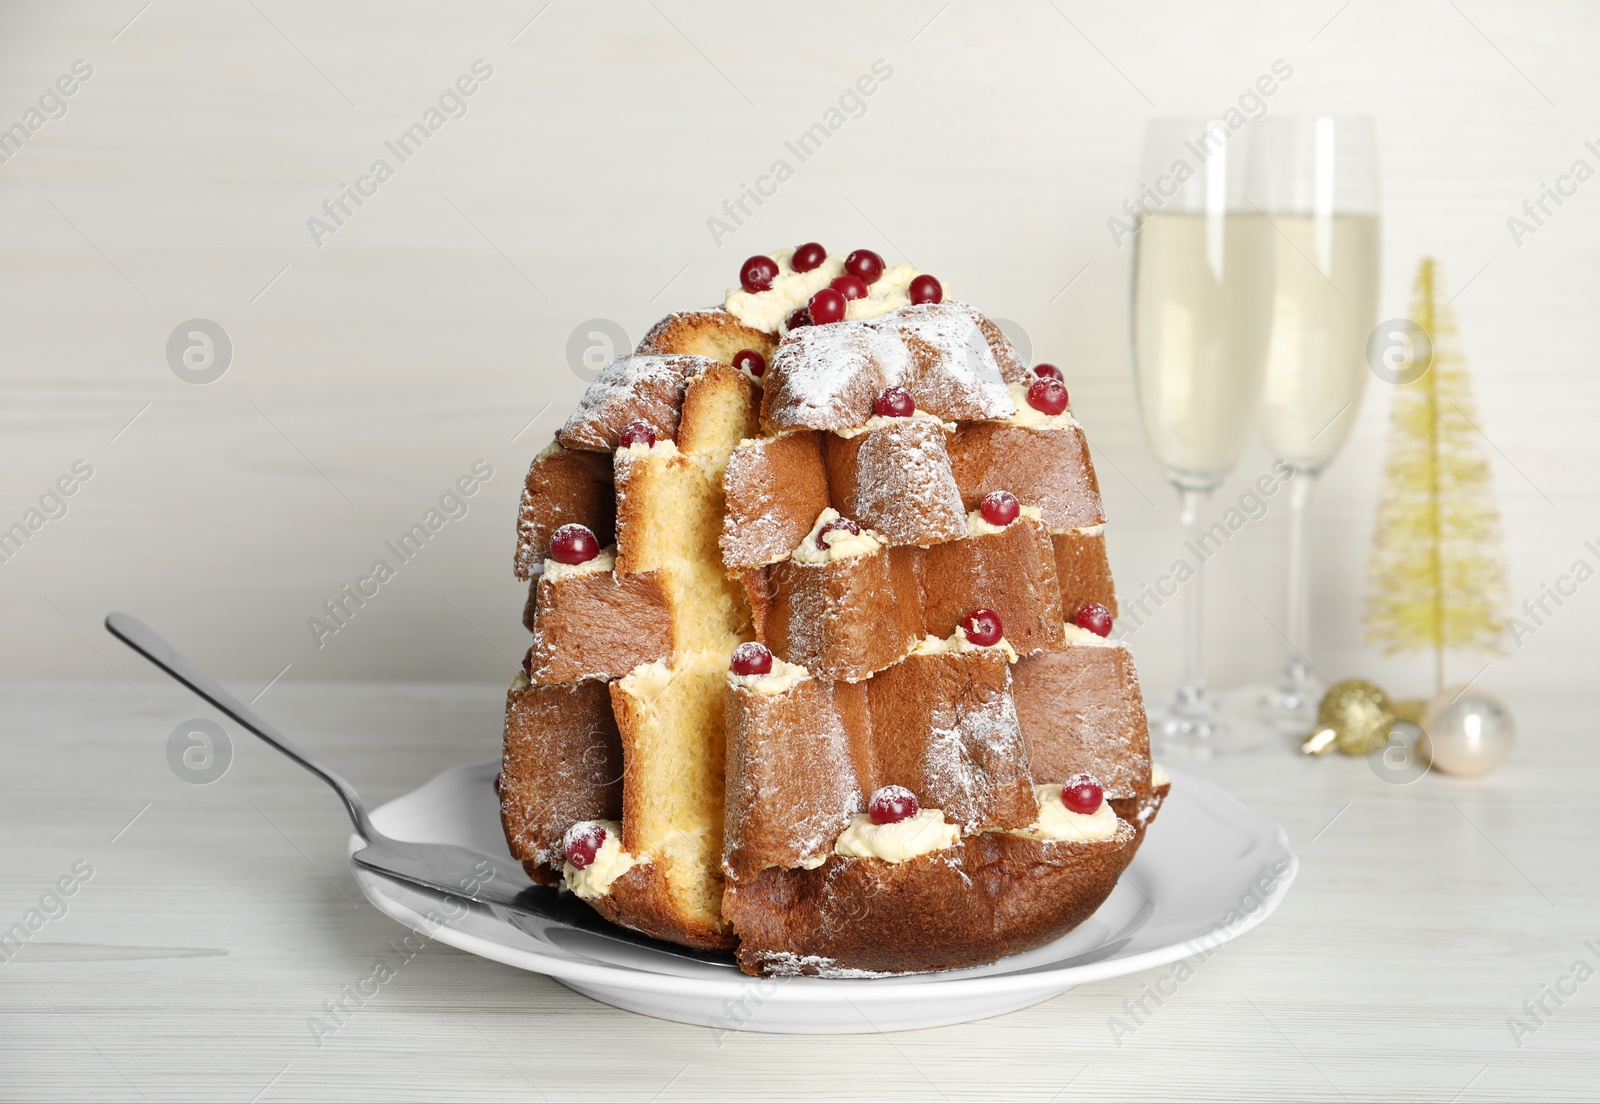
(1209, 870)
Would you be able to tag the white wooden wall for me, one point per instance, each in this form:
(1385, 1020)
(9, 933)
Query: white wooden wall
(372, 371)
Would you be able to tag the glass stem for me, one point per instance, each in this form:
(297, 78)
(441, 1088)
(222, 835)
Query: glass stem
(1297, 670)
(1192, 691)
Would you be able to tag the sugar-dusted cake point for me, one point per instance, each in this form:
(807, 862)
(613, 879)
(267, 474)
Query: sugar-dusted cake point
(591, 623)
(1082, 568)
(792, 781)
(844, 608)
(944, 727)
(645, 389)
(1010, 570)
(952, 372)
(564, 486)
(1081, 711)
(1045, 466)
(562, 764)
(774, 488)
(895, 477)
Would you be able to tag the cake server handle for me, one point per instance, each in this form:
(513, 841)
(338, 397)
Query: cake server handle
(149, 643)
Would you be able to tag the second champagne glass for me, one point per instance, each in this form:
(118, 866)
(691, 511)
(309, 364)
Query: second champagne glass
(1317, 185)
(1202, 293)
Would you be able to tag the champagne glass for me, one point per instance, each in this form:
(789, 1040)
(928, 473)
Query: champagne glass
(1317, 187)
(1202, 293)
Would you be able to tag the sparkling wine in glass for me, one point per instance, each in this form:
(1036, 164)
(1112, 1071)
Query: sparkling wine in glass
(1202, 296)
(1317, 186)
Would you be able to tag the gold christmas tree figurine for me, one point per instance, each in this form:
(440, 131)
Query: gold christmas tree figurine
(1437, 577)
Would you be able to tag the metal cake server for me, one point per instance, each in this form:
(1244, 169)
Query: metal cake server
(495, 883)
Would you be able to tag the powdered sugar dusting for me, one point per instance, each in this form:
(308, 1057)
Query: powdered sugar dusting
(903, 486)
(828, 377)
(790, 964)
(644, 388)
(955, 375)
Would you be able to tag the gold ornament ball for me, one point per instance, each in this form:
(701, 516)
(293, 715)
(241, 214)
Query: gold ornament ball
(1357, 712)
(1467, 731)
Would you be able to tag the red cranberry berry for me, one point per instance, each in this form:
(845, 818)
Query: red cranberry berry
(498, 777)
(750, 361)
(751, 658)
(982, 627)
(1082, 793)
(837, 525)
(1094, 617)
(797, 319)
(807, 257)
(637, 433)
(1047, 395)
(757, 273)
(851, 287)
(926, 289)
(892, 804)
(573, 544)
(826, 306)
(865, 265)
(896, 402)
(527, 662)
(582, 842)
(1000, 508)
(1048, 370)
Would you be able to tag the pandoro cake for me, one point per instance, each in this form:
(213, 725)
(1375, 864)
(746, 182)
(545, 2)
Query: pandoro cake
(822, 670)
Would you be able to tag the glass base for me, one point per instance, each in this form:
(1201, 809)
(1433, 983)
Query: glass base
(1197, 725)
(1288, 706)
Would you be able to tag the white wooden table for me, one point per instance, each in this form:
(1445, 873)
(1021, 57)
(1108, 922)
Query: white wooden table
(219, 920)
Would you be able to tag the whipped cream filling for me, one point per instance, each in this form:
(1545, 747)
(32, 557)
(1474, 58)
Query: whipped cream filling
(838, 545)
(878, 421)
(666, 446)
(769, 310)
(781, 679)
(605, 561)
(890, 292)
(790, 290)
(1057, 822)
(520, 681)
(1076, 635)
(978, 527)
(958, 644)
(905, 839)
(610, 863)
(1036, 419)
(1158, 777)
(646, 681)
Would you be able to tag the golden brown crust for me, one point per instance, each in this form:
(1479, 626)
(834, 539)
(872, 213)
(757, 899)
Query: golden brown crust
(1012, 572)
(1081, 710)
(1141, 811)
(561, 763)
(717, 334)
(775, 487)
(896, 480)
(791, 781)
(1083, 571)
(944, 727)
(1012, 370)
(563, 487)
(989, 896)
(644, 900)
(846, 618)
(600, 625)
(1047, 468)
